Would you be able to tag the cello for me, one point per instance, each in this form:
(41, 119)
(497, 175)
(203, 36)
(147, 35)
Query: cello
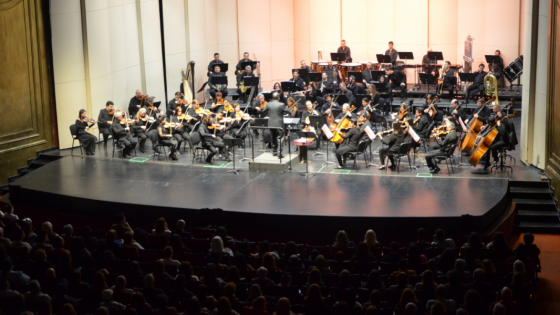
(474, 127)
(337, 133)
(483, 144)
(431, 109)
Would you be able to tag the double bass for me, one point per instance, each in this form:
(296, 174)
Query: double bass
(483, 144)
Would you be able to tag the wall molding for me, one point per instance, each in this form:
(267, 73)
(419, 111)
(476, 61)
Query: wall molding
(7, 5)
(24, 146)
(20, 139)
(86, 56)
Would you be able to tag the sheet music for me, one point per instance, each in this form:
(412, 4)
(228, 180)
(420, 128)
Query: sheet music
(370, 133)
(463, 124)
(326, 131)
(413, 134)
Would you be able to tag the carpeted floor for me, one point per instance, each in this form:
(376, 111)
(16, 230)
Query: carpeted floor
(548, 296)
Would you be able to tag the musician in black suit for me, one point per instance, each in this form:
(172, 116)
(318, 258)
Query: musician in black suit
(394, 141)
(214, 62)
(366, 74)
(392, 52)
(122, 134)
(482, 112)
(135, 103)
(478, 84)
(325, 86)
(297, 80)
(246, 73)
(309, 70)
(104, 122)
(333, 74)
(422, 126)
(428, 64)
(173, 104)
(398, 81)
(213, 88)
(444, 146)
(325, 109)
(208, 139)
(449, 80)
(140, 128)
(348, 93)
(355, 88)
(239, 66)
(353, 135)
(458, 111)
(275, 110)
(343, 49)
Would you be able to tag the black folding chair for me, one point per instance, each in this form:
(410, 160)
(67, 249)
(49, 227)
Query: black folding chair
(404, 150)
(74, 133)
(362, 146)
(449, 158)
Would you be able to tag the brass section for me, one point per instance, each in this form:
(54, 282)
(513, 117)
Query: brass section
(552, 153)
(26, 88)
(491, 87)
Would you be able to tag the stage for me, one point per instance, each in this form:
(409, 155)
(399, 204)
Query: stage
(329, 200)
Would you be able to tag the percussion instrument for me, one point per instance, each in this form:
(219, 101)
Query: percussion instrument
(350, 67)
(374, 65)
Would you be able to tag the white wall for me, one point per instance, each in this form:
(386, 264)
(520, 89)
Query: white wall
(174, 32)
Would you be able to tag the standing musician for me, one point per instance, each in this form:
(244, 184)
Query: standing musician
(246, 73)
(123, 135)
(177, 101)
(308, 68)
(208, 139)
(501, 141)
(366, 74)
(87, 140)
(140, 127)
(349, 95)
(214, 62)
(394, 141)
(297, 80)
(239, 66)
(326, 107)
(165, 137)
(325, 86)
(310, 111)
(135, 103)
(343, 49)
(428, 65)
(442, 147)
(458, 112)
(105, 120)
(180, 131)
(332, 73)
(478, 84)
(353, 135)
(449, 80)
(275, 111)
(392, 52)
(398, 81)
(500, 64)
(218, 105)
(213, 88)
(482, 112)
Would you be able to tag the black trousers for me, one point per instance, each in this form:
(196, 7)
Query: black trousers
(106, 132)
(153, 135)
(277, 139)
(494, 148)
(342, 150)
(129, 144)
(170, 143)
(214, 91)
(431, 155)
(392, 86)
(213, 148)
(449, 88)
(473, 89)
(88, 142)
(181, 136)
(383, 154)
(142, 137)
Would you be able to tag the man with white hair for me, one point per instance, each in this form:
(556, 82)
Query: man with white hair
(449, 140)
(122, 134)
(135, 103)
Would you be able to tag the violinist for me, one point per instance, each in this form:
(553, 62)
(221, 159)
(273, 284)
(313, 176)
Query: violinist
(353, 136)
(482, 112)
(257, 108)
(240, 78)
(442, 148)
(165, 137)
(218, 106)
(122, 134)
(325, 109)
(208, 139)
(151, 109)
(180, 131)
(105, 120)
(215, 88)
(310, 111)
(238, 120)
(228, 109)
(394, 141)
(196, 112)
(87, 140)
(177, 101)
(363, 123)
(402, 114)
(421, 124)
(135, 103)
(140, 127)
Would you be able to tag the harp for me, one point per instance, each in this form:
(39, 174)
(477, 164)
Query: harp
(187, 86)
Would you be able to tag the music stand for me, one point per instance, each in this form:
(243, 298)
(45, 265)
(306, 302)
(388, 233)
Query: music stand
(357, 75)
(156, 104)
(224, 67)
(253, 65)
(232, 143)
(341, 99)
(288, 86)
(303, 134)
(318, 121)
(267, 96)
(338, 57)
(435, 55)
(382, 58)
(219, 80)
(303, 73)
(376, 74)
(427, 79)
(315, 77)
(405, 55)
(492, 59)
(359, 98)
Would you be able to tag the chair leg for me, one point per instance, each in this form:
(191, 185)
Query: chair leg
(356, 162)
(72, 151)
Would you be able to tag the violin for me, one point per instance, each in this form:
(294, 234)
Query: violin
(91, 120)
(228, 108)
(111, 111)
(263, 105)
(126, 121)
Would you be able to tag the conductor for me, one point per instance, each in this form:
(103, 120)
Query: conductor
(275, 110)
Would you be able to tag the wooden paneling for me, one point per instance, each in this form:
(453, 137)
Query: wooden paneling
(25, 86)
(553, 100)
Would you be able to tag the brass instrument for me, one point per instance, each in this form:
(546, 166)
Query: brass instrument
(238, 72)
(219, 87)
(242, 86)
(491, 87)
(441, 78)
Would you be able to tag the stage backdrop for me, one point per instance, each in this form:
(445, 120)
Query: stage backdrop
(105, 50)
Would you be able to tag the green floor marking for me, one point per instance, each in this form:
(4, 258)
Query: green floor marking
(341, 172)
(424, 175)
(216, 165)
(139, 159)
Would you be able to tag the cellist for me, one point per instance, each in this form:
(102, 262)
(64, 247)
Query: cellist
(353, 136)
(500, 141)
(482, 112)
(346, 113)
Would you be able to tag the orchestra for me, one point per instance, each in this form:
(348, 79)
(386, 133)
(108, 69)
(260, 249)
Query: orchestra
(184, 122)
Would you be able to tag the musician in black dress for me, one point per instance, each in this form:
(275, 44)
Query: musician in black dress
(213, 88)
(343, 49)
(297, 80)
(392, 52)
(180, 132)
(325, 109)
(353, 135)
(366, 74)
(478, 84)
(394, 141)
(208, 139)
(398, 81)
(246, 85)
(482, 112)
(87, 140)
(135, 103)
(105, 120)
(442, 149)
(166, 138)
(239, 66)
(122, 134)
(141, 126)
(214, 62)
(403, 111)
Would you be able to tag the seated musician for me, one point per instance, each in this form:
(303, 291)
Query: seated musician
(208, 139)
(166, 138)
(310, 111)
(135, 103)
(442, 148)
(297, 80)
(247, 73)
(214, 89)
(325, 109)
(87, 140)
(366, 107)
(398, 81)
(180, 132)
(304, 66)
(384, 95)
(333, 74)
(402, 114)
(349, 95)
(482, 112)
(197, 113)
(500, 141)
(140, 127)
(363, 123)
(214, 62)
(345, 112)
(353, 135)
(449, 80)
(239, 66)
(174, 103)
(122, 135)
(366, 74)
(496, 110)
(431, 113)
(421, 124)
(310, 92)
(222, 133)
(218, 105)
(478, 84)
(458, 112)
(240, 120)
(325, 86)
(105, 120)
(394, 141)
(151, 109)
